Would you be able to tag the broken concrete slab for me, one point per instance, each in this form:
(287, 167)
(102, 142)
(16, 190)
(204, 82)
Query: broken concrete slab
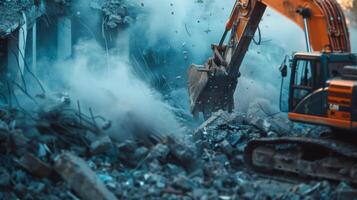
(35, 166)
(266, 117)
(81, 178)
(219, 117)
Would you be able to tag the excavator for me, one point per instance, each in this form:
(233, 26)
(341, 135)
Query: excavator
(322, 88)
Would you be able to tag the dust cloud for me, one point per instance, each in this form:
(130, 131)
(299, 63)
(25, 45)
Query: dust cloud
(110, 86)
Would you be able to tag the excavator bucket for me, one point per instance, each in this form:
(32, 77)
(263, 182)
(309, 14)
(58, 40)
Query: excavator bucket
(197, 81)
(210, 86)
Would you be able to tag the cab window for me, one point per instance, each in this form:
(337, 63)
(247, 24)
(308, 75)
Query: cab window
(303, 79)
(303, 75)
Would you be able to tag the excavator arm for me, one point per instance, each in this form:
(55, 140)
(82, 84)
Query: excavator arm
(212, 86)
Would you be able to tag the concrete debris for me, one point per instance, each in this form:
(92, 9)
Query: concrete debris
(160, 152)
(102, 145)
(81, 178)
(35, 166)
(207, 164)
(29, 144)
(221, 141)
(263, 116)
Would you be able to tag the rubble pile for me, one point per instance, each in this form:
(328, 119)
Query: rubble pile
(224, 137)
(58, 152)
(32, 144)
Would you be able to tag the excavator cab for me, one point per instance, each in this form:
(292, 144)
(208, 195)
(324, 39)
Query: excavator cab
(323, 89)
(307, 77)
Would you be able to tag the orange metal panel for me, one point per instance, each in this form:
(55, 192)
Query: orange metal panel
(343, 83)
(339, 101)
(340, 90)
(340, 95)
(320, 120)
(339, 115)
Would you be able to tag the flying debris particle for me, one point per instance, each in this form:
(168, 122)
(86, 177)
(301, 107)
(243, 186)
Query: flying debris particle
(188, 32)
(142, 4)
(208, 31)
(172, 13)
(198, 21)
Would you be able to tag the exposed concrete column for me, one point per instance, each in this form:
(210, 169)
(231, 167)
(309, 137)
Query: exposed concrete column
(16, 52)
(22, 44)
(13, 56)
(64, 38)
(34, 47)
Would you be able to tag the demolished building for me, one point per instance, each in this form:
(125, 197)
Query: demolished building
(33, 29)
(18, 35)
(27, 35)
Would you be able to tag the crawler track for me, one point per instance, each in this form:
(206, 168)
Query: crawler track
(305, 157)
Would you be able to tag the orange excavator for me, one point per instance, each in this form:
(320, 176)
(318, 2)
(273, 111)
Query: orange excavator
(322, 88)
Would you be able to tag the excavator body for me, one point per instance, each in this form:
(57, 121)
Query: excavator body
(212, 85)
(322, 91)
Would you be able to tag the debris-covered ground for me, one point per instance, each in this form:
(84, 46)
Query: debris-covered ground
(59, 153)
